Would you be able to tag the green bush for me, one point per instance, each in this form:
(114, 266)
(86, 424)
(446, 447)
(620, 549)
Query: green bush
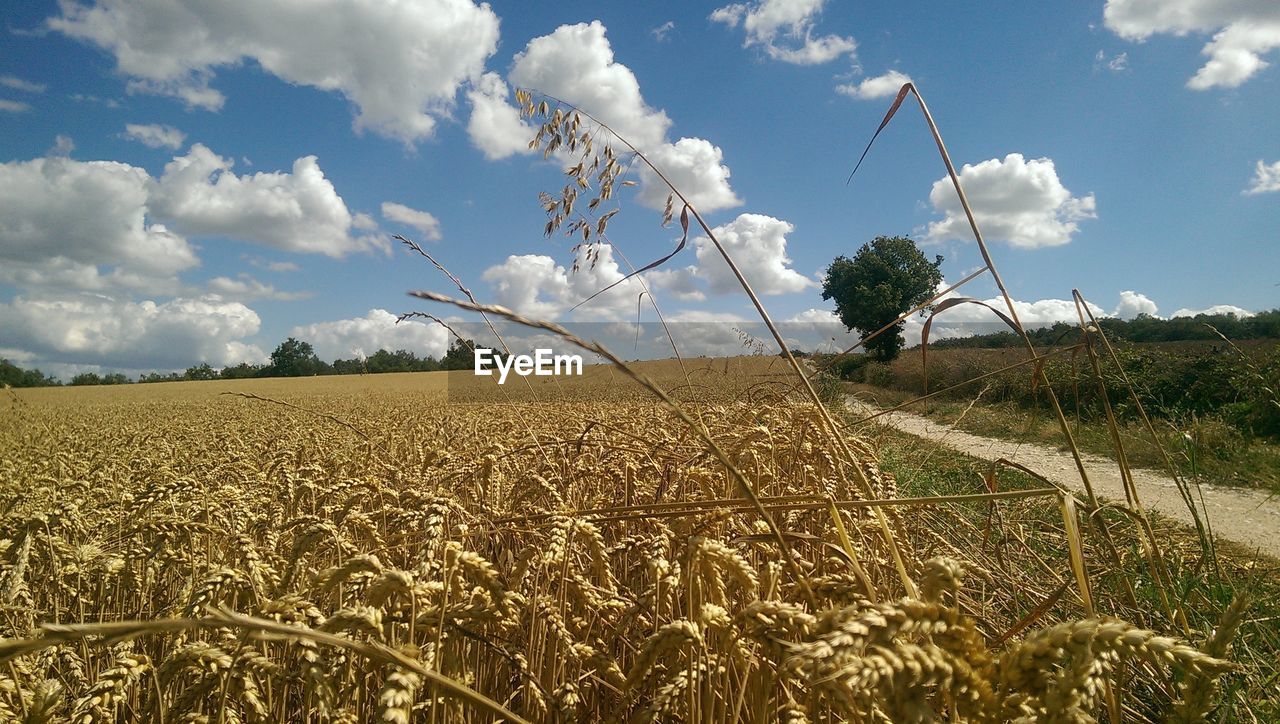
(1239, 387)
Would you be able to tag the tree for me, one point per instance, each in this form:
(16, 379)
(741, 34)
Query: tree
(884, 279)
(295, 358)
(244, 370)
(201, 371)
(14, 376)
(461, 355)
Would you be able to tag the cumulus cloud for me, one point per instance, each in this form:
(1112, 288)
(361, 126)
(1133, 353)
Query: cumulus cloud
(495, 126)
(101, 225)
(297, 211)
(400, 64)
(244, 288)
(576, 63)
(427, 224)
(1018, 201)
(1134, 303)
(535, 285)
(62, 146)
(1244, 31)
(90, 329)
(376, 330)
(758, 244)
(1266, 178)
(784, 29)
(1215, 309)
(155, 135)
(881, 86)
(680, 284)
(84, 225)
(695, 167)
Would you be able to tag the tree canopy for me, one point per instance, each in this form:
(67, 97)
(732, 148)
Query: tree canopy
(295, 358)
(887, 277)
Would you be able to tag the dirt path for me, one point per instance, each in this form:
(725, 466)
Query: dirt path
(1248, 517)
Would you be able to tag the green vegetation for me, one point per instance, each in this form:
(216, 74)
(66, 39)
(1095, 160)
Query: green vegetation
(926, 468)
(1214, 407)
(14, 376)
(291, 358)
(1143, 328)
(885, 279)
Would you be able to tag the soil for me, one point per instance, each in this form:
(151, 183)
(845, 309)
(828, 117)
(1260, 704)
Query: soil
(1248, 517)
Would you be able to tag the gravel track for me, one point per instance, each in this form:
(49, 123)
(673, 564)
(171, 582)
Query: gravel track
(1248, 517)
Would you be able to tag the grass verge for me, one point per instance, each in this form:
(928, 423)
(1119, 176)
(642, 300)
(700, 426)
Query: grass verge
(1205, 449)
(924, 468)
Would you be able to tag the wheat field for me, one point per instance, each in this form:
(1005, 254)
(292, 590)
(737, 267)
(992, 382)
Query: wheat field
(417, 548)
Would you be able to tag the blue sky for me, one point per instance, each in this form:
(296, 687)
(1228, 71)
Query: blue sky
(185, 182)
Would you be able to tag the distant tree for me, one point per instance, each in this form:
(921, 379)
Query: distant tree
(244, 370)
(116, 378)
(461, 355)
(295, 358)
(15, 376)
(86, 378)
(885, 278)
(201, 371)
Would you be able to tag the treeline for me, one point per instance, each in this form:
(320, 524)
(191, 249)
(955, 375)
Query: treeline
(292, 358)
(1143, 328)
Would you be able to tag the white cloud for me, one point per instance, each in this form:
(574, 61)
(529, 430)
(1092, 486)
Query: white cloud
(695, 167)
(297, 211)
(97, 100)
(784, 29)
(817, 330)
(1134, 303)
(26, 86)
(716, 334)
(1266, 178)
(100, 330)
(423, 221)
(363, 222)
(1215, 309)
(1244, 31)
(964, 320)
(1117, 64)
(575, 63)
(681, 284)
(376, 330)
(155, 135)
(400, 63)
(758, 245)
(244, 287)
(814, 316)
(495, 126)
(62, 146)
(1018, 201)
(534, 285)
(881, 86)
(9, 106)
(84, 225)
(661, 32)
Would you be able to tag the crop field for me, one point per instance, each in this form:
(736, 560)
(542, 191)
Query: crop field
(419, 548)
